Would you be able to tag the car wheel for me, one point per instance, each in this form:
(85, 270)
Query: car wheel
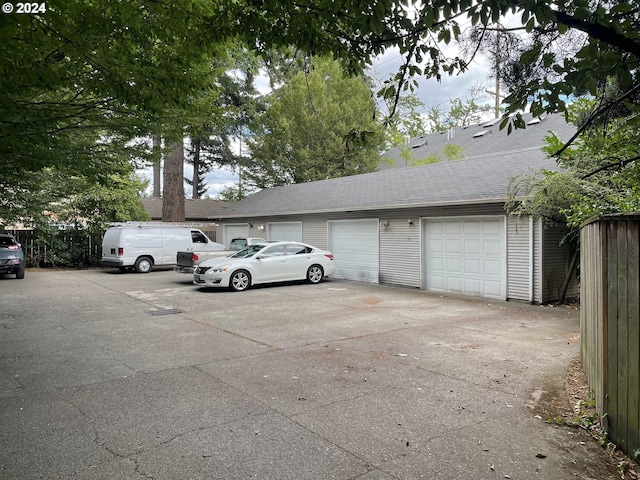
(20, 274)
(143, 265)
(315, 274)
(240, 281)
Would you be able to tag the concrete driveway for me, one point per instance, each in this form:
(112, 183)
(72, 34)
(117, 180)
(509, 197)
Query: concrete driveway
(106, 375)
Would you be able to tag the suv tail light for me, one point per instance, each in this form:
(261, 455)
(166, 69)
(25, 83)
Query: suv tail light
(194, 257)
(13, 247)
(120, 251)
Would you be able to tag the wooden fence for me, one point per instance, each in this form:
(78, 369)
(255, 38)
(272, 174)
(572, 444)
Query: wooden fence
(610, 324)
(86, 250)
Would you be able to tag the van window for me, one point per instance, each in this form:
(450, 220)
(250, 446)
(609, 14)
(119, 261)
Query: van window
(198, 237)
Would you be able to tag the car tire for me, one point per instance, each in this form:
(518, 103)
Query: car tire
(143, 265)
(239, 281)
(315, 274)
(20, 273)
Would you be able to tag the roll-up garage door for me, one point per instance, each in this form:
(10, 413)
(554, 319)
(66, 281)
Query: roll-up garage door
(354, 244)
(466, 255)
(286, 231)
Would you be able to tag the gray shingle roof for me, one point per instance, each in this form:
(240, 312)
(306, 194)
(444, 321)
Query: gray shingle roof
(195, 209)
(482, 178)
(484, 139)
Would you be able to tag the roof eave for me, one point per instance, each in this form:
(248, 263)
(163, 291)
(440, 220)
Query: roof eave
(369, 208)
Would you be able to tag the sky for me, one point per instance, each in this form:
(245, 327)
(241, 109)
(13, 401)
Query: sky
(430, 92)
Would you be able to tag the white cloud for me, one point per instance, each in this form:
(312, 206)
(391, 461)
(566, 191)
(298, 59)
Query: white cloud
(430, 91)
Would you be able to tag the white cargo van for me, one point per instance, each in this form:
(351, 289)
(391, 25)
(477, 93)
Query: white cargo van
(143, 247)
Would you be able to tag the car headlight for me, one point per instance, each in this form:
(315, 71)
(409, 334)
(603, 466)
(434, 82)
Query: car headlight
(220, 269)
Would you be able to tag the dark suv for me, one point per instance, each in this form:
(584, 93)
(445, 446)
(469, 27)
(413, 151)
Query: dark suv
(11, 255)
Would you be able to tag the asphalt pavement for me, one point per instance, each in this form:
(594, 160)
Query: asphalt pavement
(109, 375)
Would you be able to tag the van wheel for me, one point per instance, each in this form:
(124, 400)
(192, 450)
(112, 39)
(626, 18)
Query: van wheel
(143, 265)
(239, 281)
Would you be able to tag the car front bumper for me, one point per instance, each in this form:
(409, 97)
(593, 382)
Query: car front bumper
(209, 280)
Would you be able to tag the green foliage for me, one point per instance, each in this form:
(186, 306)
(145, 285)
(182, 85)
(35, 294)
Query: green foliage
(599, 174)
(454, 152)
(231, 193)
(129, 69)
(462, 112)
(319, 125)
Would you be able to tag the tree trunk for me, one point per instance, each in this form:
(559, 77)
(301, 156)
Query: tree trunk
(195, 183)
(157, 140)
(173, 195)
(570, 271)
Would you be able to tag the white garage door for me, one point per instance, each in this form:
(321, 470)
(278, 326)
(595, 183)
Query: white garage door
(354, 244)
(235, 231)
(288, 231)
(466, 255)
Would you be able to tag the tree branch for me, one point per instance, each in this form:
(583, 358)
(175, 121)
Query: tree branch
(619, 163)
(599, 111)
(601, 32)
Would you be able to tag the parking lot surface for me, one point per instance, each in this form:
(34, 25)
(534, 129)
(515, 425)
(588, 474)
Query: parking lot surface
(109, 375)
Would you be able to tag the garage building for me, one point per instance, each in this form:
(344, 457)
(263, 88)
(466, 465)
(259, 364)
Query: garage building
(440, 227)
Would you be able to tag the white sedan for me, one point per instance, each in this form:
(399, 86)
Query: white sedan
(272, 262)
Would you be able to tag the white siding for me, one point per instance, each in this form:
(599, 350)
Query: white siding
(315, 232)
(400, 251)
(518, 258)
(538, 255)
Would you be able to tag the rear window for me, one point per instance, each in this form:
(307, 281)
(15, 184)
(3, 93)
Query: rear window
(295, 249)
(237, 244)
(6, 241)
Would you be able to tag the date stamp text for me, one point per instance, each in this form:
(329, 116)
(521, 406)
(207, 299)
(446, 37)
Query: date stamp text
(29, 8)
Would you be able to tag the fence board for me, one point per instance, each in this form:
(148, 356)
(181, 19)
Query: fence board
(634, 333)
(610, 304)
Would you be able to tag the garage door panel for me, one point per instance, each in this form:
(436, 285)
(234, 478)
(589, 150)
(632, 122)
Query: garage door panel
(453, 246)
(473, 286)
(472, 266)
(492, 289)
(454, 265)
(495, 227)
(492, 247)
(466, 255)
(471, 246)
(285, 231)
(452, 228)
(454, 284)
(355, 246)
(492, 267)
(471, 228)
